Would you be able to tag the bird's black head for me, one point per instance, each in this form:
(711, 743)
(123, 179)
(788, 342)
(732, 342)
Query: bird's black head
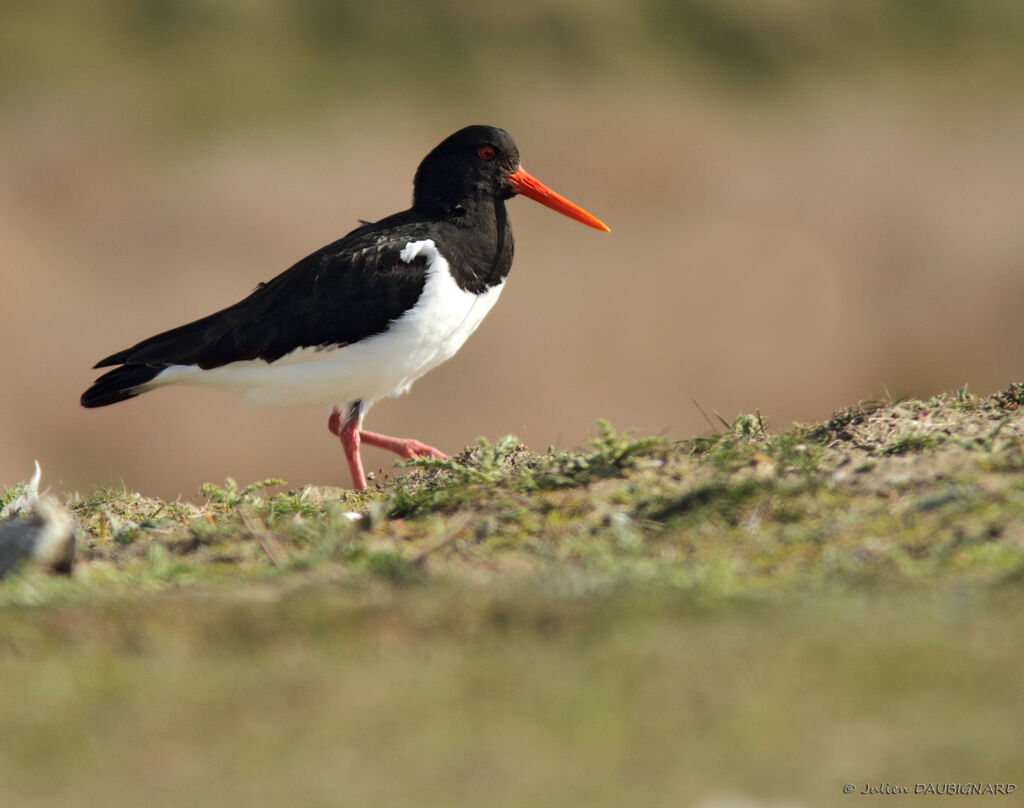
(472, 164)
(481, 163)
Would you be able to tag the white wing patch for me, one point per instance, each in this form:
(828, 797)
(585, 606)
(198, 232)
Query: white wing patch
(385, 364)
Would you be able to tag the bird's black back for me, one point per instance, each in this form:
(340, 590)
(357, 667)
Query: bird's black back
(341, 293)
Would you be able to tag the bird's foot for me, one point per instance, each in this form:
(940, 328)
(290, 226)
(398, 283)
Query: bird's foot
(406, 448)
(412, 449)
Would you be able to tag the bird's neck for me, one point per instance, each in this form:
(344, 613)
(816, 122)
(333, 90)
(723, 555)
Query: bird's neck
(479, 244)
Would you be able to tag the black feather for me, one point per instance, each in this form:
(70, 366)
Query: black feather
(344, 292)
(118, 385)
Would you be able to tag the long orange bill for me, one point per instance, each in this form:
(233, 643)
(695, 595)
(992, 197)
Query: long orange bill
(536, 190)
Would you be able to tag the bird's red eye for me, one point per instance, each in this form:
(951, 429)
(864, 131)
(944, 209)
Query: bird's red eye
(485, 152)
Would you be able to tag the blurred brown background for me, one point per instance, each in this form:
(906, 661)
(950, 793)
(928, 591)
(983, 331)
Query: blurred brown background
(810, 203)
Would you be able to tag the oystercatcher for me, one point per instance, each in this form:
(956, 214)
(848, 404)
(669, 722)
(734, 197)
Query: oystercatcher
(364, 317)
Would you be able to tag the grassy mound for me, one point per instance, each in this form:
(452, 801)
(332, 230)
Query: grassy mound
(747, 618)
(914, 493)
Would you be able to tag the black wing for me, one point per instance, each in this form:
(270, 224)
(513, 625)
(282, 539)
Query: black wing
(342, 293)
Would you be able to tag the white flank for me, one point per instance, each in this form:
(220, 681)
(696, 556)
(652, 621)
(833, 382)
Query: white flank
(385, 364)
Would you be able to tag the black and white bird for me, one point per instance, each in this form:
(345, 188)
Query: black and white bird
(364, 317)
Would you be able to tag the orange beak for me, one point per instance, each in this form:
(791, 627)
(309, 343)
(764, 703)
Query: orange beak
(536, 190)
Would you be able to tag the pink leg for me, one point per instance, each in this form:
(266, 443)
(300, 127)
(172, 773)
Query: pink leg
(403, 447)
(348, 432)
(347, 429)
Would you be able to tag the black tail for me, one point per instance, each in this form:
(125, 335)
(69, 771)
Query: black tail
(118, 384)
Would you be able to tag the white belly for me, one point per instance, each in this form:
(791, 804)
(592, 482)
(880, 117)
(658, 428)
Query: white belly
(382, 365)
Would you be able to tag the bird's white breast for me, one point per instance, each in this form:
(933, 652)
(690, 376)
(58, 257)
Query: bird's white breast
(426, 335)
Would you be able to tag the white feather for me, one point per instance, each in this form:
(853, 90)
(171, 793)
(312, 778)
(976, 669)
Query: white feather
(385, 364)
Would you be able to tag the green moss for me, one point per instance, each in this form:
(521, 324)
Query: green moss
(914, 442)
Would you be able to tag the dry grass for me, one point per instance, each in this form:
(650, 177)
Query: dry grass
(460, 697)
